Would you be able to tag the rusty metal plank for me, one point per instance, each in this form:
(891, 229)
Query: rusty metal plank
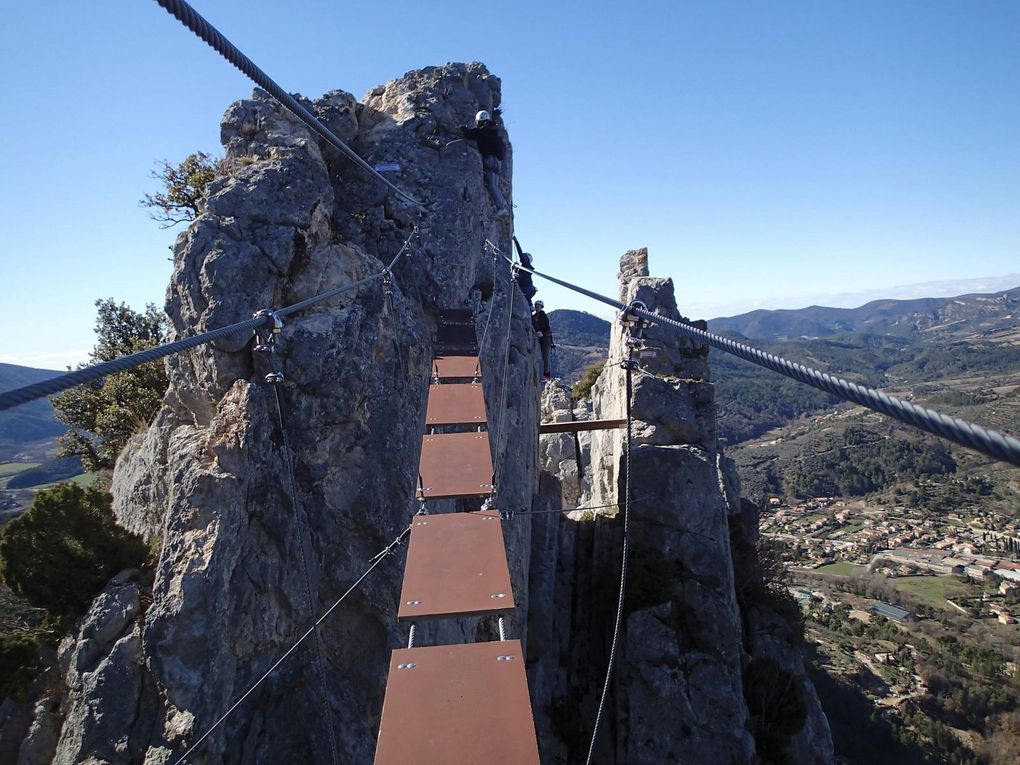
(448, 367)
(457, 705)
(456, 566)
(456, 338)
(455, 465)
(579, 425)
(457, 404)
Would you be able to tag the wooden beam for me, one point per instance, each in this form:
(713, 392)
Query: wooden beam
(579, 425)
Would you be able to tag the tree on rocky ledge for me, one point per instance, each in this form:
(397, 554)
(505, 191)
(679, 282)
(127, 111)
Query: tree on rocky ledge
(185, 189)
(64, 548)
(102, 417)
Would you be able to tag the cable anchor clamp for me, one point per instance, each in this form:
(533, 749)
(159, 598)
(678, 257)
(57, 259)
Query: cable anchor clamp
(629, 364)
(265, 341)
(274, 378)
(629, 314)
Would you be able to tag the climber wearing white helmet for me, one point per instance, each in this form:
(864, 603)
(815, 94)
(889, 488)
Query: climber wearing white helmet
(491, 146)
(540, 323)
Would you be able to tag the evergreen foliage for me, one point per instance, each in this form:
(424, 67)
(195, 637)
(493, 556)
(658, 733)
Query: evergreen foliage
(185, 189)
(61, 552)
(775, 700)
(582, 389)
(102, 418)
(19, 662)
(860, 461)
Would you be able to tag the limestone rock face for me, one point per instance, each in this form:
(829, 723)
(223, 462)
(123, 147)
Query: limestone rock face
(210, 484)
(268, 502)
(678, 691)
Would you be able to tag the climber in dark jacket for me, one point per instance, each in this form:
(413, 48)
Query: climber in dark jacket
(490, 145)
(540, 322)
(524, 280)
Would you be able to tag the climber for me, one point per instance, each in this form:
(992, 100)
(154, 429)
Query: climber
(524, 280)
(490, 145)
(540, 322)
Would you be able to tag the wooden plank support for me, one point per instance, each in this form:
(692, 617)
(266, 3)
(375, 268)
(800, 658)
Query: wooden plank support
(457, 705)
(577, 426)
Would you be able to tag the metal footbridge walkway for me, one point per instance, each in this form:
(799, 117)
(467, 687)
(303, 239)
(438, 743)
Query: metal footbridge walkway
(465, 703)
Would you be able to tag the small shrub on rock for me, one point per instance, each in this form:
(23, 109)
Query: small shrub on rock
(61, 552)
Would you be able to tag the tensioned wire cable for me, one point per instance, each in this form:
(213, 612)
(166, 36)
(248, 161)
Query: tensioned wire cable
(304, 542)
(194, 21)
(382, 555)
(624, 556)
(95, 372)
(985, 440)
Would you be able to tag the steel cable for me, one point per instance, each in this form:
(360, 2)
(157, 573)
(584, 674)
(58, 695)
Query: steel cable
(194, 21)
(624, 554)
(492, 301)
(304, 541)
(95, 372)
(985, 440)
(382, 555)
(501, 440)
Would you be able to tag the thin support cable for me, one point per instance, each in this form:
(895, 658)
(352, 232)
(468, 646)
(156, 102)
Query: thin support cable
(997, 445)
(303, 531)
(194, 21)
(629, 366)
(18, 396)
(492, 299)
(501, 439)
(565, 510)
(379, 557)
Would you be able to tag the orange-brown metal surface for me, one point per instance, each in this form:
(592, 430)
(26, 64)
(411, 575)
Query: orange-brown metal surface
(452, 367)
(456, 404)
(456, 566)
(455, 465)
(457, 705)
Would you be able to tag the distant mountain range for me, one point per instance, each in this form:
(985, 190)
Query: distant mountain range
(992, 317)
(30, 422)
(581, 340)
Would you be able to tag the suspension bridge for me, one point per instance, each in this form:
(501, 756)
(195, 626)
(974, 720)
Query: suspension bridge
(466, 702)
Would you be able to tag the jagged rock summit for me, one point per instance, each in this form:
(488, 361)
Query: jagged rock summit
(267, 502)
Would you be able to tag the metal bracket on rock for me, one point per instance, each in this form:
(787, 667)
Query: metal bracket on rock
(265, 342)
(629, 315)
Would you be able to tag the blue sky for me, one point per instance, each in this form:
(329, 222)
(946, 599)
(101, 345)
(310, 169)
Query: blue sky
(769, 154)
